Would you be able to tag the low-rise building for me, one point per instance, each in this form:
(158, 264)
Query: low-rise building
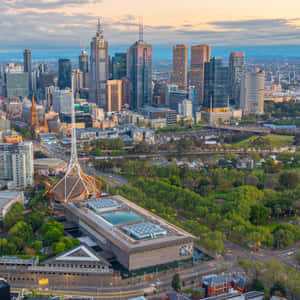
(134, 236)
(7, 200)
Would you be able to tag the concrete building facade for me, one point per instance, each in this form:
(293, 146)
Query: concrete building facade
(199, 56)
(114, 95)
(252, 92)
(16, 164)
(180, 66)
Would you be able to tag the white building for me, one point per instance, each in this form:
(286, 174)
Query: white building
(16, 164)
(62, 101)
(7, 200)
(252, 92)
(185, 109)
(77, 80)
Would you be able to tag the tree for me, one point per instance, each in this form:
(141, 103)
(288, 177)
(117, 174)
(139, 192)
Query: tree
(251, 180)
(176, 282)
(37, 246)
(35, 219)
(274, 267)
(97, 151)
(52, 231)
(53, 234)
(278, 289)
(298, 257)
(14, 216)
(258, 214)
(257, 285)
(289, 180)
(213, 242)
(20, 234)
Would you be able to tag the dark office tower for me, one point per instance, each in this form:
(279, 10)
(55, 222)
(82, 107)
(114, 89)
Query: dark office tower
(119, 65)
(64, 74)
(99, 68)
(139, 72)
(126, 92)
(83, 61)
(28, 68)
(216, 93)
(236, 72)
(180, 66)
(4, 290)
(199, 56)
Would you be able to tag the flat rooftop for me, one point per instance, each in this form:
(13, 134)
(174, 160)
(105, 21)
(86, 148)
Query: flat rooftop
(103, 204)
(7, 196)
(128, 225)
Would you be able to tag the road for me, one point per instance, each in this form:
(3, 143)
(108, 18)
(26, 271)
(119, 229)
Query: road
(57, 152)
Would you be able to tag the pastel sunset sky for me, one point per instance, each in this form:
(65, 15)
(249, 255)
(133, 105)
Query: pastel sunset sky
(218, 22)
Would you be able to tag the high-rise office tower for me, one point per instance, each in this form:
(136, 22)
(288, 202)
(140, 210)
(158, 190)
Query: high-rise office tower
(17, 163)
(43, 68)
(114, 95)
(126, 91)
(77, 81)
(216, 94)
(64, 74)
(180, 66)
(252, 92)
(139, 72)
(28, 68)
(199, 56)
(119, 65)
(236, 71)
(99, 68)
(83, 62)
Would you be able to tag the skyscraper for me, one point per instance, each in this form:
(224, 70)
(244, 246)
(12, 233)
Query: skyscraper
(114, 95)
(252, 92)
(236, 71)
(119, 65)
(139, 72)
(99, 68)
(180, 66)
(216, 92)
(64, 74)
(126, 91)
(17, 163)
(83, 61)
(199, 56)
(28, 68)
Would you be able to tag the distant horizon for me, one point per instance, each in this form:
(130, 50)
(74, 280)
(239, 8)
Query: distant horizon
(160, 52)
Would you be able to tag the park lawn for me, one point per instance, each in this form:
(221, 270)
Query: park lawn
(275, 140)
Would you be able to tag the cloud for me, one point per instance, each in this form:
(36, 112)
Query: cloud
(51, 24)
(44, 4)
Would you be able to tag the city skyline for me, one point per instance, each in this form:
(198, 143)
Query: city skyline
(71, 22)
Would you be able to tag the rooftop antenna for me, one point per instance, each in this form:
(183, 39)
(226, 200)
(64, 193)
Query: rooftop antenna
(99, 25)
(141, 29)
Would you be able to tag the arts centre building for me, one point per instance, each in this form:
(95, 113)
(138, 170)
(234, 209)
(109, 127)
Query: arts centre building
(134, 236)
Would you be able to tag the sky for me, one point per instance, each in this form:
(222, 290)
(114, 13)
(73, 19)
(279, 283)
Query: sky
(54, 24)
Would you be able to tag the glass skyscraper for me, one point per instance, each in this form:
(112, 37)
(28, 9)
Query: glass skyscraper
(236, 72)
(119, 65)
(216, 93)
(64, 74)
(140, 73)
(99, 68)
(28, 68)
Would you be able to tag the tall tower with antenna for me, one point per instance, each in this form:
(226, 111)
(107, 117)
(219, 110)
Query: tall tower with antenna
(141, 29)
(75, 185)
(99, 68)
(139, 70)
